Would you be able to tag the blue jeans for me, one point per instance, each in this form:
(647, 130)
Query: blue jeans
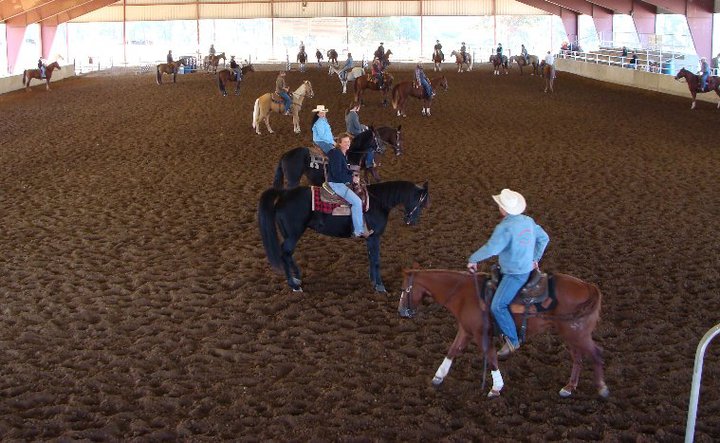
(286, 99)
(325, 146)
(370, 158)
(506, 291)
(343, 191)
(426, 86)
(703, 80)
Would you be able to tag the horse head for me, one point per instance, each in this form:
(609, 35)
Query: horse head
(247, 68)
(682, 73)
(413, 207)
(53, 65)
(305, 89)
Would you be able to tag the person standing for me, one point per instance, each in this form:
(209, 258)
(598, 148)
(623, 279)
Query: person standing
(519, 243)
(282, 89)
(322, 133)
(339, 176)
(550, 61)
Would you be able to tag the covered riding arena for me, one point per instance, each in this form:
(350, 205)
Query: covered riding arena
(137, 302)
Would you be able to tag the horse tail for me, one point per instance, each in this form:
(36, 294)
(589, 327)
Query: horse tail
(256, 113)
(268, 226)
(395, 96)
(220, 83)
(158, 74)
(279, 179)
(25, 75)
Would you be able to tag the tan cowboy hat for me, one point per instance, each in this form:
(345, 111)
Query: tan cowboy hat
(512, 202)
(320, 108)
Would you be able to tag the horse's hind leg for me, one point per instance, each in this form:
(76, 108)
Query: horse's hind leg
(292, 272)
(571, 386)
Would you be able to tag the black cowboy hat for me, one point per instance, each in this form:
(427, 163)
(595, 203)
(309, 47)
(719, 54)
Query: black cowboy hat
(382, 43)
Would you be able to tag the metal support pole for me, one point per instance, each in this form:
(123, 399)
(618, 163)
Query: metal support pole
(697, 377)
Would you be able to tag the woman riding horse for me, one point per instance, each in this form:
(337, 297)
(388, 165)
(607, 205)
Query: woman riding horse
(29, 74)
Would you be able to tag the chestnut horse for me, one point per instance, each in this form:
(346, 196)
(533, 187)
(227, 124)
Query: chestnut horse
(36, 73)
(460, 63)
(573, 317)
(437, 59)
(403, 90)
(332, 56)
(362, 83)
(532, 60)
(693, 82)
(264, 105)
(212, 61)
(228, 75)
(168, 68)
(499, 62)
(548, 73)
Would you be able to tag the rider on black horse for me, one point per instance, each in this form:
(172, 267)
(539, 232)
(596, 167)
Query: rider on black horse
(235, 68)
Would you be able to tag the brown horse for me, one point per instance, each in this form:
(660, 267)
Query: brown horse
(437, 59)
(548, 73)
(362, 83)
(212, 61)
(264, 105)
(693, 82)
(460, 63)
(228, 75)
(302, 58)
(521, 62)
(36, 73)
(332, 56)
(573, 318)
(403, 90)
(499, 62)
(168, 68)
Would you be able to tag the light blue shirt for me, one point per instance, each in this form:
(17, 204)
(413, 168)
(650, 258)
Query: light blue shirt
(348, 63)
(517, 241)
(322, 132)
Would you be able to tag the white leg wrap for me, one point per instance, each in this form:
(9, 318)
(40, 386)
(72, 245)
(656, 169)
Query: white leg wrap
(444, 368)
(497, 380)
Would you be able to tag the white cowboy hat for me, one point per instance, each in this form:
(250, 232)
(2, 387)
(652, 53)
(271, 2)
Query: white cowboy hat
(320, 108)
(512, 202)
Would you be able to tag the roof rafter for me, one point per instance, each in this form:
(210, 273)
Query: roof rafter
(77, 11)
(12, 8)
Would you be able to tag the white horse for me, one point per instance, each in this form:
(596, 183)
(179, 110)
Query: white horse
(349, 76)
(264, 106)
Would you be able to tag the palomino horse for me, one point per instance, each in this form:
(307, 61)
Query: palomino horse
(573, 316)
(29, 74)
(302, 58)
(168, 68)
(693, 82)
(548, 73)
(403, 90)
(264, 105)
(362, 83)
(532, 60)
(332, 56)
(291, 211)
(349, 76)
(212, 61)
(437, 59)
(460, 63)
(228, 75)
(499, 62)
(298, 161)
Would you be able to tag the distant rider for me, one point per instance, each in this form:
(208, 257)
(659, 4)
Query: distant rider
(463, 52)
(281, 89)
(704, 73)
(354, 127)
(377, 72)
(170, 57)
(211, 51)
(236, 68)
(347, 67)
(319, 57)
(524, 53)
(41, 67)
(380, 52)
(438, 50)
(499, 51)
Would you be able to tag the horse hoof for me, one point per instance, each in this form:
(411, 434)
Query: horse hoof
(493, 394)
(604, 392)
(436, 382)
(298, 289)
(565, 392)
(381, 289)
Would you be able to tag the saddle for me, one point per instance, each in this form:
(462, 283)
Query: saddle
(325, 200)
(275, 97)
(536, 296)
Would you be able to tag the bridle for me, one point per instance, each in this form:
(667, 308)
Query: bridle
(409, 216)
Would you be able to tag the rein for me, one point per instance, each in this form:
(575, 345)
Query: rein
(408, 216)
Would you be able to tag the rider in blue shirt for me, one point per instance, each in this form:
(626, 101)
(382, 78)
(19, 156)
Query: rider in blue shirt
(519, 243)
(422, 79)
(347, 67)
(704, 73)
(322, 133)
(339, 176)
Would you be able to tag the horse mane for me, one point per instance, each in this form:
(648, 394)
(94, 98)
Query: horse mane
(392, 192)
(359, 147)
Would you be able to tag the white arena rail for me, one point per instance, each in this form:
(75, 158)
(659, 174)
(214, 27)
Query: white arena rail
(697, 378)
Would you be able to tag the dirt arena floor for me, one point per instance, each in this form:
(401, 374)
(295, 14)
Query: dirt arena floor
(137, 303)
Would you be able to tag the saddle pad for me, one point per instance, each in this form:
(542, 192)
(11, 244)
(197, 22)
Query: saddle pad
(326, 203)
(275, 97)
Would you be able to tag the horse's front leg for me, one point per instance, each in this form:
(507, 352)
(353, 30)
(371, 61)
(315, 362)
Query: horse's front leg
(373, 247)
(237, 88)
(296, 122)
(456, 348)
(571, 386)
(693, 102)
(267, 122)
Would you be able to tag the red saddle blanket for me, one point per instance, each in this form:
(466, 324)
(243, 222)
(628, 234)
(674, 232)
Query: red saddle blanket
(321, 202)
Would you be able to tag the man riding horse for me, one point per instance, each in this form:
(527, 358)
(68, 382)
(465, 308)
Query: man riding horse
(41, 67)
(438, 50)
(525, 55)
(423, 81)
(282, 89)
(380, 53)
(302, 50)
(377, 72)
(463, 51)
(235, 68)
(347, 67)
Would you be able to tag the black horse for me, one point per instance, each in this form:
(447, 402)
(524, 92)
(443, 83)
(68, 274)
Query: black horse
(297, 162)
(291, 211)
